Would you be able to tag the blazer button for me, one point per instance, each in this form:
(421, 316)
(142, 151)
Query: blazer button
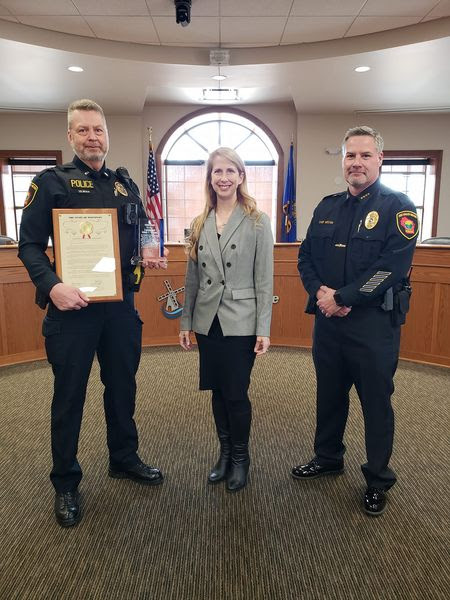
(233, 246)
(209, 282)
(200, 247)
(222, 282)
(203, 264)
(228, 264)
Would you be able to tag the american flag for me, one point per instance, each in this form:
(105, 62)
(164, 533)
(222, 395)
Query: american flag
(153, 206)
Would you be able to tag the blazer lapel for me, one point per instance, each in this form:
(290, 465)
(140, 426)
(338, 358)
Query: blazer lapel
(211, 235)
(234, 221)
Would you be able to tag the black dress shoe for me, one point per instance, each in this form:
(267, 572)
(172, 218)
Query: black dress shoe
(140, 472)
(375, 501)
(67, 508)
(312, 470)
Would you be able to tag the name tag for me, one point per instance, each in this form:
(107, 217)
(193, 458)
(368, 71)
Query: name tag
(82, 184)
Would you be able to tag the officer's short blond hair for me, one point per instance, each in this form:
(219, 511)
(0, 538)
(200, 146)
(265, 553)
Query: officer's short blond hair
(364, 130)
(83, 104)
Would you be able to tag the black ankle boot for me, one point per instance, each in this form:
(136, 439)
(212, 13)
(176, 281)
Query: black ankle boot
(220, 469)
(240, 463)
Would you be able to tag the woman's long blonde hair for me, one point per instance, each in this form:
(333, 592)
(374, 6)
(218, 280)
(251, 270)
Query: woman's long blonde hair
(243, 197)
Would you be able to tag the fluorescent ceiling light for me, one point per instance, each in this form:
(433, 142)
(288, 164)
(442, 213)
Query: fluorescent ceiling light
(219, 77)
(362, 69)
(75, 69)
(220, 94)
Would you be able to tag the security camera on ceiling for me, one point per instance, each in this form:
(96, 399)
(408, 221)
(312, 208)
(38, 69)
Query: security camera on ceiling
(183, 12)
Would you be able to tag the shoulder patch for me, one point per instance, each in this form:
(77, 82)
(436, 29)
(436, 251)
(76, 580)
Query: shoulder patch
(407, 223)
(31, 194)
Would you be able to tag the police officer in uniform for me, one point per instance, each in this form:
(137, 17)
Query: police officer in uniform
(354, 264)
(76, 329)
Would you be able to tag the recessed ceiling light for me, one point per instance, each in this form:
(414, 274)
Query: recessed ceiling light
(219, 77)
(75, 69)
(362, 69)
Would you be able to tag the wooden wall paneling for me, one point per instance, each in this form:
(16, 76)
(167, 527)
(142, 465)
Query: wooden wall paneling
(442, 337)
(158, 329)
(417, 332)
(24, 323)
(3, 344)
(425, 337)
(290, 325)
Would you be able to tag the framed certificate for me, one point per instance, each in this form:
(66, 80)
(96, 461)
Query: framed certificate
(87, 252)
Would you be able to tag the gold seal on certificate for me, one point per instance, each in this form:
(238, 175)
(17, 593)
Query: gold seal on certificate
(87, 252)
(150, 240)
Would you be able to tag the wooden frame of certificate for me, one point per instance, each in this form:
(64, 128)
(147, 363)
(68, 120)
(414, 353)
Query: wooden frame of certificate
(87, 251)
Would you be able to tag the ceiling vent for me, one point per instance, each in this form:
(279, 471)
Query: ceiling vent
(219, 57)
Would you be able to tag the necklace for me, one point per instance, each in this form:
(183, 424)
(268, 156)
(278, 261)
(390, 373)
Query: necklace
(221, 224)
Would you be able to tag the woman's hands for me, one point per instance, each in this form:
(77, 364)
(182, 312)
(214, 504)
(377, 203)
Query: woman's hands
(185, 340)
(262, 345)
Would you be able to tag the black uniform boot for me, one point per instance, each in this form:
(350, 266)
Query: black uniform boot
(240, 458)
(219, 471)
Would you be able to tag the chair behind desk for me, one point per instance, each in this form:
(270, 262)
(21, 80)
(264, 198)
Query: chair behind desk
(7, 241)
(442, 241)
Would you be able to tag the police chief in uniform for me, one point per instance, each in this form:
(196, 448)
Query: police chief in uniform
(76, 329)
(354, 264)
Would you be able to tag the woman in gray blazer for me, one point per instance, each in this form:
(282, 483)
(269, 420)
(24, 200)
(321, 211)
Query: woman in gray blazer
(228, 304)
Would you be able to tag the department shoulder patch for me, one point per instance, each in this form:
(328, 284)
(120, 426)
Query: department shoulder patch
(407, 223)
(31, 194)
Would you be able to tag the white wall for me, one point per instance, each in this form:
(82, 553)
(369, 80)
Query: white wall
(319, 174)
(35, 131)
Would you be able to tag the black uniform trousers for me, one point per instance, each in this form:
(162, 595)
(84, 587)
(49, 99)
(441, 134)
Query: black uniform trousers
(113, 330)
(361, 349)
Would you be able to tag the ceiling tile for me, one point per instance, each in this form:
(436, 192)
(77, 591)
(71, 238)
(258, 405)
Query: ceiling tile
(40, 7)
(255, 8)
(441, 10)
(326, 8)
(202, 30)
(363, 25)
(311, 29)
(66, 24)
(112, 7)
(252, 30)
(200, 8)
(398, 8)
(139, 30)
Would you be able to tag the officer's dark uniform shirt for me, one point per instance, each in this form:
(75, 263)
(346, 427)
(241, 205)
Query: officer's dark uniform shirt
(360, 246)
(74, 185)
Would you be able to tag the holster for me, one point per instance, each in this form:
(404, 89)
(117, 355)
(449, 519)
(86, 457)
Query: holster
(132, 280)
(401, 304)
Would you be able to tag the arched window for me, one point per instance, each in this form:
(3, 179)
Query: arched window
(183, 154)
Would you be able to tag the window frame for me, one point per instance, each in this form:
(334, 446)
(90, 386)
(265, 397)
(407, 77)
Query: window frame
(435, 158)
(253, 119)
(5, 156)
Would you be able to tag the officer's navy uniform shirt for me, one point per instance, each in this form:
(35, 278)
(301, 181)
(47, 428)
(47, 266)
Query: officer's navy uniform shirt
(359, 245)
(73, 185)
